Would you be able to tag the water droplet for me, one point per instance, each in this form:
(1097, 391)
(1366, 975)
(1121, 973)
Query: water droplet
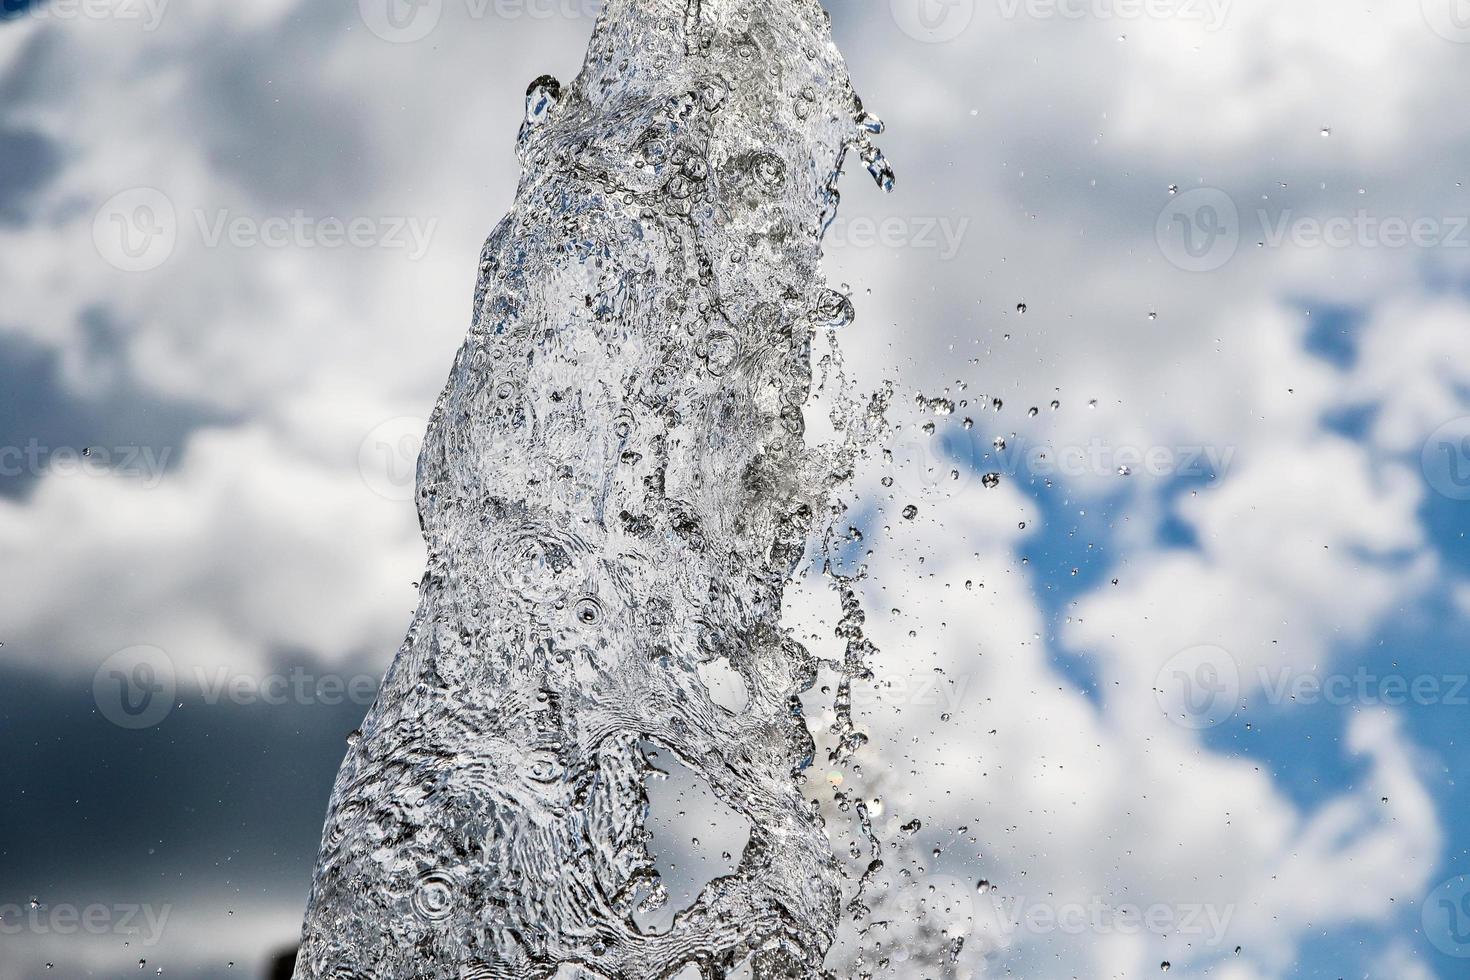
(880, 169)
(835, 310)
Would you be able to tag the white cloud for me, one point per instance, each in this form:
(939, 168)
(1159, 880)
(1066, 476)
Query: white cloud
(1079, 802)
(248, 550)
(1401, 963)
(1412, 363)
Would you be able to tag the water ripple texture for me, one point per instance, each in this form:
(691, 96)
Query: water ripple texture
(615, 489)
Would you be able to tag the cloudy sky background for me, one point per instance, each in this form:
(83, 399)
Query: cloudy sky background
(1239, 235)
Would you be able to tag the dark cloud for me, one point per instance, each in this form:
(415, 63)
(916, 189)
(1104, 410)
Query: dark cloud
(271, 124)
(10, 9)
(127, 429)
(215, 796)
(27, 162)
(220, 805)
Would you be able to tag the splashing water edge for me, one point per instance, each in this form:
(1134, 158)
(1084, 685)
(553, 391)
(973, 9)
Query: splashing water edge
(615, 490)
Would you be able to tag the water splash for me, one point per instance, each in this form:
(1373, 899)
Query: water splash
(615, 490)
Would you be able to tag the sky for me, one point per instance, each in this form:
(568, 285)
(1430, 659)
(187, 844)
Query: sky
(1174, 664)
